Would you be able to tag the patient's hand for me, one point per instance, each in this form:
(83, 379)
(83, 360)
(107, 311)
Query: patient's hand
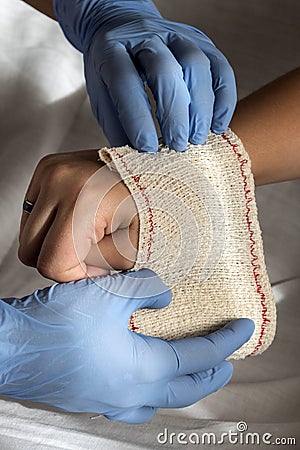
(84, 221)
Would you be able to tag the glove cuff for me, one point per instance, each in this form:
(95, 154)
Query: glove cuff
(80, 20)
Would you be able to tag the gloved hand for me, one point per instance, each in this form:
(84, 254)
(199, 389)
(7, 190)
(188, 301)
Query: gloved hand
(126, 43)
(69, 346)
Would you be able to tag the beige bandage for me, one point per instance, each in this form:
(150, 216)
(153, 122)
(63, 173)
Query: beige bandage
(199, 232)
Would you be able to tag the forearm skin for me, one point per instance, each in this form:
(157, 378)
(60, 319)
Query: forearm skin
(44, 6)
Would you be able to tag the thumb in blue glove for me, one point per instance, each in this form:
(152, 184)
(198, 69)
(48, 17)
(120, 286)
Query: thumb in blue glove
(69, 346)
(128, 44)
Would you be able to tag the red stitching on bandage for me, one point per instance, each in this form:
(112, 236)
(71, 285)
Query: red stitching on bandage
(255, 266)
(136, 179)
(131, 324)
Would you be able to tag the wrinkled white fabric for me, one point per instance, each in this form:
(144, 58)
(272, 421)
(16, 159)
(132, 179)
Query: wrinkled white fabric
(44, 109)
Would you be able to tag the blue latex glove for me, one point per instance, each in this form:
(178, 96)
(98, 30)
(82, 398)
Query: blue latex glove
(69, 346)
(127, 43)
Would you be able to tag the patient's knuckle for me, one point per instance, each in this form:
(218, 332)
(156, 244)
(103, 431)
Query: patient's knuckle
(50, 269)
(57, 173)
(53, 167)
(46, 161)
(48, 158)
(25, 256)
(47, 270)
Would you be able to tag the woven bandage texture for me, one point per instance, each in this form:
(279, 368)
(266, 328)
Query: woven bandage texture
(199, 232)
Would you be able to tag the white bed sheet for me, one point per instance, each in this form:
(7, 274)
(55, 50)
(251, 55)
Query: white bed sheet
(44, 109)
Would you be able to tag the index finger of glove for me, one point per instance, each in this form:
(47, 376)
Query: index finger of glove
(165, 79)
(130, 100)
(202, 353)
(187, 389)
(197, 76)
(181, 357)
(103, 107)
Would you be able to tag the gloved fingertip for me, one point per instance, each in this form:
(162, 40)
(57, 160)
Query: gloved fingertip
(199, 129)
(221, 120)
(198, 139)
(149, 150)
(219, 129)
(158, 294)
(146, 143)
(217, 377)
(244, 326)
(179, 145)
(163, 300)
(227, 371)
(226, 367)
